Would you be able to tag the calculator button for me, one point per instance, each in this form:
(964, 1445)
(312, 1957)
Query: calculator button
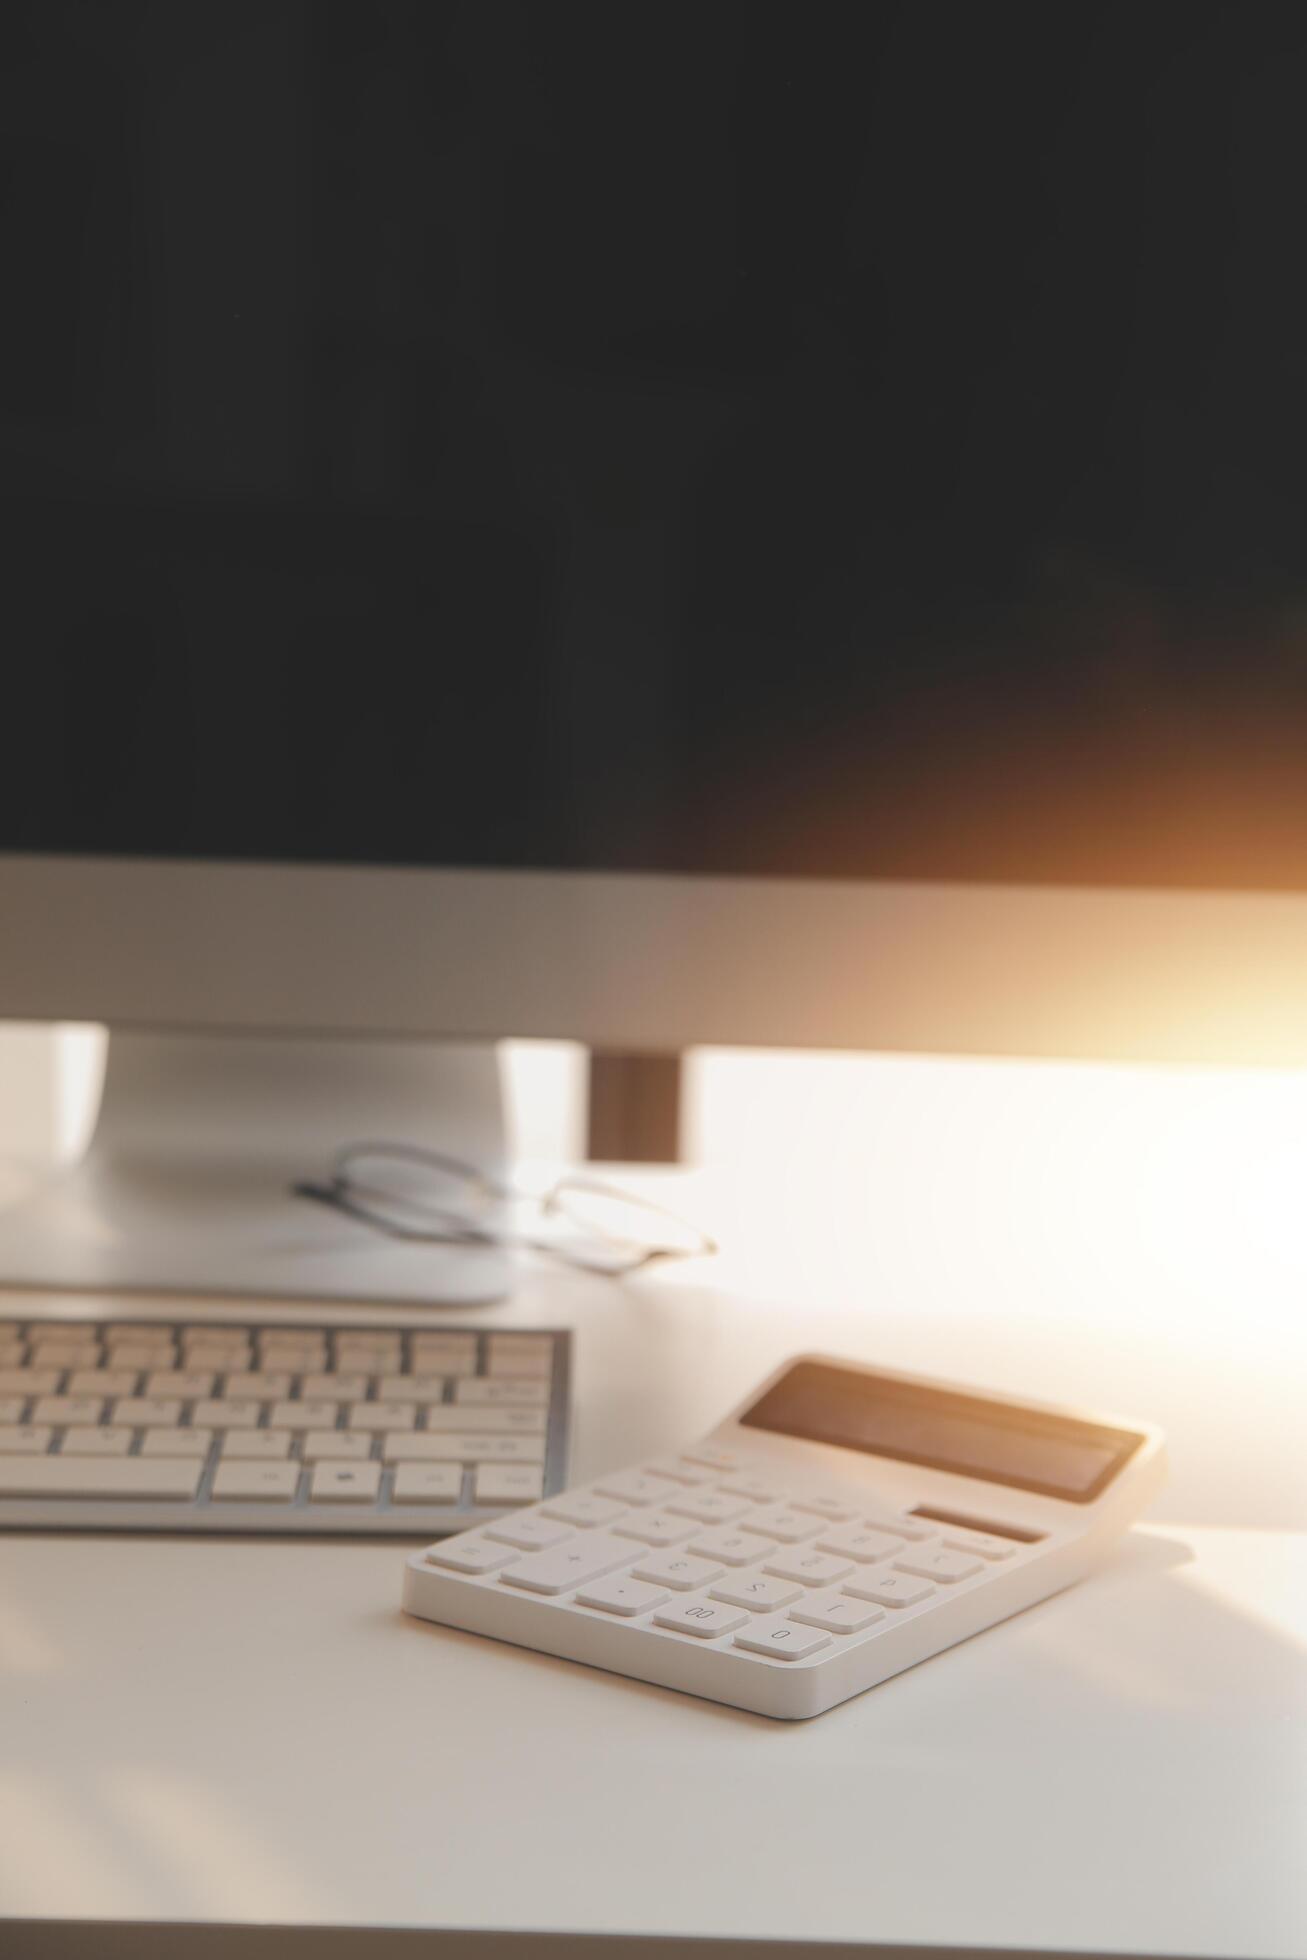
(532, 1533)
(758, 1490)
(709, 1506)
(733, 1547)
(679, 1471)
(758, 1594)
(783, 1522)
(637, 1487)
(470, 1555)
(889, 1588)
(583, 1507)
(809, 1568)
(947, 1567)
(508, 1483)
(573, 1564)
(914, 1529)
(980, 1543)
(711, 1457)
(656, 1527)
(835, 1612)
(705, 1618)
(345, 1483)
(782, 1640)
(865, 1546)
(835, 1510)
(679, 1570)
(426, 1483)
(625, 1597)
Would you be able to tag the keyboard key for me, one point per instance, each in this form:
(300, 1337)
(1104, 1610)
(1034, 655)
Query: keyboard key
(471, 1555)
(856, 1542)
(29, 1381)
(535, 1533)
(574, 1564)
(782, 1640)
(709, 1507)
(980, 1543)
(103, 1381)
(420, 1446)
(427, 1483)
(419, 1388)
(381, 1415)
(759, 1595)
(341, 1446)
(257, 1382)
(251, 1483)
(638, 1487)
(24, 1438)
(11, 1407)
(733, 1547)
(946, 1567)
(889, 1588)
(784, 1522)
(96, 1442)
(679, 1570)
(345, 1483)
(705, 1618)
(103, 1477)
(318, 1414)
(498, 1393)
(625, 1597)
(189, 1383)
(254, 1445)
(176, 1442)
(434, 1350)
(835, 1612)
(330, 1387)
(508, 1483)
(488, 1422)
(584, 1507)
(65, 1354)
(140, 1359)
(218, 1413)
(142, 1411)
(534, 1366)
(656, 1527)
(809, 1568)
(68, 1408)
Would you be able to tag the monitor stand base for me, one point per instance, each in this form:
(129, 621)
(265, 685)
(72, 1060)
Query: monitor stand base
(186, 1184)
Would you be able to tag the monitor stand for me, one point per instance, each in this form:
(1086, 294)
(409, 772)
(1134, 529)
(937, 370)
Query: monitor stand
(186, 1183)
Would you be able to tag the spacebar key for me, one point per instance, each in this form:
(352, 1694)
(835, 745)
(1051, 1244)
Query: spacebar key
(99, 1476)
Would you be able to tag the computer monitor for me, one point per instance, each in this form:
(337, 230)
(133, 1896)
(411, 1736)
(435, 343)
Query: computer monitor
(647, 525)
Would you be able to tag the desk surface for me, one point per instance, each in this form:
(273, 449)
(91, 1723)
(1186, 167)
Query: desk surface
(237, 1732)
(229, 1732)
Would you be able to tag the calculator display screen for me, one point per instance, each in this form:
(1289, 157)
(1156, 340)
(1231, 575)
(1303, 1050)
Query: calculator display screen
(1053, 1455)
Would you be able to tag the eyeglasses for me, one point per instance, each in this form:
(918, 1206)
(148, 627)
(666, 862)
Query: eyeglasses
(409, 1192)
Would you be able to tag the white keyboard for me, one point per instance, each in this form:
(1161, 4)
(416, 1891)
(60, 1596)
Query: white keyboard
(844, 1525)
(182, 1423)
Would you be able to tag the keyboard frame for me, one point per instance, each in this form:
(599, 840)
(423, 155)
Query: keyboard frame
(1073, 1539)
(300, 1517)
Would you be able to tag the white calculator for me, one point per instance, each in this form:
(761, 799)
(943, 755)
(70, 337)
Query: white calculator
(842, 1525)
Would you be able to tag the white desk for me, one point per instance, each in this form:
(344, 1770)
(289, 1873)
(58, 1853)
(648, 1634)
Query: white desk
(241, 1734)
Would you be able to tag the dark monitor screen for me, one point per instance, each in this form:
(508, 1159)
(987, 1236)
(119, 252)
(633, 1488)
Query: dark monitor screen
(1027, 1449)
(856, 441)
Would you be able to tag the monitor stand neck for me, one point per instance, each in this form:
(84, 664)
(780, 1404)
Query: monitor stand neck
(186, 1183)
